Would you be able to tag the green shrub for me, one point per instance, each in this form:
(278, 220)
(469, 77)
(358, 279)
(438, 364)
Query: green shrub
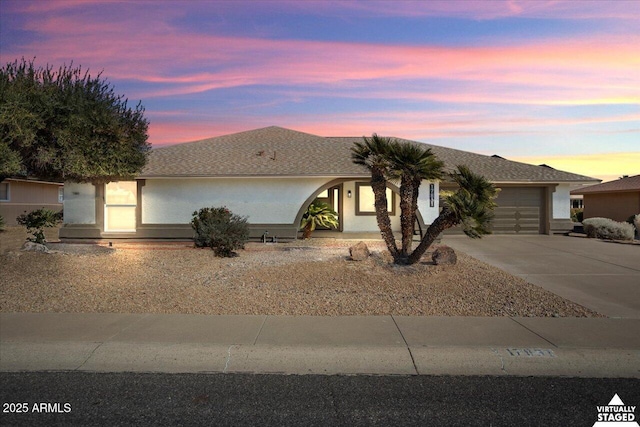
(636, 223)
(605, 228)
(36, 221)
(220, 230)
(577, 214)
(1, 223)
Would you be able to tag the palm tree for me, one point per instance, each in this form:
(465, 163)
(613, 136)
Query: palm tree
(388, 160)
(318, 213)
(373, 153)
(471, 206)
(410, 164)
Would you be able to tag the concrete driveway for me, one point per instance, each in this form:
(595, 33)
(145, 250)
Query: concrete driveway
(602, 276)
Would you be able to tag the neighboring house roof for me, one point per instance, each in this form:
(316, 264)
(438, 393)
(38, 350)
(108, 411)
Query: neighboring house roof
(631, 183)
(274, 151)
(33, 180)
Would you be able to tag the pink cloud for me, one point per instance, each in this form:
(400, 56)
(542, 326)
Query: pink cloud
(175, 61)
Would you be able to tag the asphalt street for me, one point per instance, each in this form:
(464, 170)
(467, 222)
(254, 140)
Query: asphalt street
(96, 399)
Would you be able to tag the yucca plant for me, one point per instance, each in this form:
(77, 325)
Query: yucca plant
(318, 214)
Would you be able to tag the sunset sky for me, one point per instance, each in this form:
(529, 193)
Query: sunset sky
(554, 82)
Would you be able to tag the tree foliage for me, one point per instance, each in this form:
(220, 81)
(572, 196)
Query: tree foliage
(471, 205)
(67, 125)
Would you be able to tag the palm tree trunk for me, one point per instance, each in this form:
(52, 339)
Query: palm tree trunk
(407, 216)
(379, 187)
(442, 222)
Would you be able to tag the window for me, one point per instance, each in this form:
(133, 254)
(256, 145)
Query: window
(365, 200)
(4, 191)
(120, 206)
(60, 194)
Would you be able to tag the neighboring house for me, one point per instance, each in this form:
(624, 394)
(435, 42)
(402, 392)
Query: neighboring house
(19, 196)
(617, 200)
(271, 175)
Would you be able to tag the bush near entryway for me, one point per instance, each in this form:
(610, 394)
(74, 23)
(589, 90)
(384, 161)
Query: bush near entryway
(220, 230)
(605, 228)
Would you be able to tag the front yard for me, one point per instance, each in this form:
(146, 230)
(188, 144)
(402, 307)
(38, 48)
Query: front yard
(298, 278)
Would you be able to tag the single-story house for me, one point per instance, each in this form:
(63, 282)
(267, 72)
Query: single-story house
(271, 175)
(19, 196)
(617, 200)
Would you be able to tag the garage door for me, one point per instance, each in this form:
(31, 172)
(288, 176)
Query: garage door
(519, 211)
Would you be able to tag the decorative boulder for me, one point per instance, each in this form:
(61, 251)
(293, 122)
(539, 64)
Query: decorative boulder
(444, 255)
(359, 252)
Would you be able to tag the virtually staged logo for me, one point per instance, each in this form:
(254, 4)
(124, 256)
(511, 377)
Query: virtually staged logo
(616, 414)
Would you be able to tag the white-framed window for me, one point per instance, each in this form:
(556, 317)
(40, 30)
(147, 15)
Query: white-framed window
(60, 194)
(4, 192)
(365, 200)
(120, 199)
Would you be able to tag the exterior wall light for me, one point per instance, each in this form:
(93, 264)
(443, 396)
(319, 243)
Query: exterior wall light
(349, 193)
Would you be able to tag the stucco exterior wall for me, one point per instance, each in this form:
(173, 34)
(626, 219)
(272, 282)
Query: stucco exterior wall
(79, 203)
(561, 199)
(617, 206)
(27, 196)
(429, 214)
(262, 200)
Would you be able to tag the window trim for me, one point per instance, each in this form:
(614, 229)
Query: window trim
(392, 212)
(8, 184)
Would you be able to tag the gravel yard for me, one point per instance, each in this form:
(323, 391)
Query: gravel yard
(297, 278)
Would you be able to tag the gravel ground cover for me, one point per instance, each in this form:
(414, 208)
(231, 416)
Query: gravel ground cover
(298, 278)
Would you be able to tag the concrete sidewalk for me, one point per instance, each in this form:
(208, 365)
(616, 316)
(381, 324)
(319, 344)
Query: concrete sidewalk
(320, 345)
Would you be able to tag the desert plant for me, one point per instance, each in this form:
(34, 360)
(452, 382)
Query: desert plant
(1, 223)
(605, 228)
(36, 221)
(391, 160)
(220, 230)
(318, 213)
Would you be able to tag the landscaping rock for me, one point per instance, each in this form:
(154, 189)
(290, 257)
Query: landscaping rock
(444, 255)
(34, 247)
(359, 252)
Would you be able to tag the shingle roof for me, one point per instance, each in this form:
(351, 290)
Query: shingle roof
(495, 169)
(271, 151)
(275, 151)
(631, 183)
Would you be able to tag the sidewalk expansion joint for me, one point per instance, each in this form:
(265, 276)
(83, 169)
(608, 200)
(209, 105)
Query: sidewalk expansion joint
(413, 361)
(264, 320)
(137, 320)
(533, 332)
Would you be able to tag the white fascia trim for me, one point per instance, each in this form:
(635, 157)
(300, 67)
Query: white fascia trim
(259, 176)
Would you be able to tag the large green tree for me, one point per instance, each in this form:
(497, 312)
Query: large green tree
(470, 205)
(67, 125)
